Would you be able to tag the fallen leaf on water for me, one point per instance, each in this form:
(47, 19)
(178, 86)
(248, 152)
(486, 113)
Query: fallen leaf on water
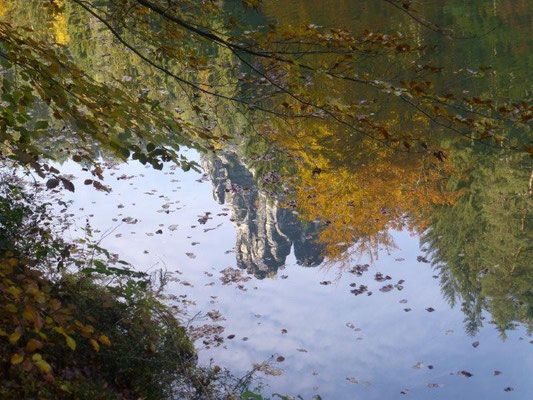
(496, 373)
(350, 325)
(430, 309)
(302, 350)
(280, 359)
(352, 380)
(418, 365)
(435, 385)
(403, 301)
(508, 389)
(407, 309)
(464, 374)
(475, 344)
(404, 391)
(325, 283)
(190, 255)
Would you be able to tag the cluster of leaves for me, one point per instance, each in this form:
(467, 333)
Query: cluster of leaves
(39, 75)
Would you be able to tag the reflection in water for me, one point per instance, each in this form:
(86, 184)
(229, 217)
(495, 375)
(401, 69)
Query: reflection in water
(265, 231)
(343, 196)
(482, 245)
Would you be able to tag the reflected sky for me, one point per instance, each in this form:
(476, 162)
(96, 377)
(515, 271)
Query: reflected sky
(381, 348)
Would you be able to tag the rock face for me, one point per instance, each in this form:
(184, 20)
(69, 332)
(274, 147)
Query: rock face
(265, 232)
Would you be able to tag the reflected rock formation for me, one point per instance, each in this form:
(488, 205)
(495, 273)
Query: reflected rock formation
(265, 231)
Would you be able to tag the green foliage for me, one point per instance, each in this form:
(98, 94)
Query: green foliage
(482, 244)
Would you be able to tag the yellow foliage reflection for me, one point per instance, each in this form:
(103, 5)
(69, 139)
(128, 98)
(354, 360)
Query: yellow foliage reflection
(361, 190)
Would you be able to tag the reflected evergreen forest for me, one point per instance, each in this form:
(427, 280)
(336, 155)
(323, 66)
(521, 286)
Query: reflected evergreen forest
(266, 199)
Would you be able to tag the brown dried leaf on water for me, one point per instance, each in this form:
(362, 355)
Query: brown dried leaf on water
(465, 374)
(215, 316)
(404, 391)
(350, 325)
(325, 283)
(284, 331)
(496, 373)
(231, 336)
(448, 332)
(204, 218)
(130, 220)
(352, 380)
(359, 290)
(475, 344)
(280, 359)
(359, 269)
(190, 255)
(430, 309)
(233, 275)
(386, 288)
(173, 227)
(508, 389)
(418, 365)
(403, 301)
(435, 385)
(302, 350)
(380, 278)
(407, 309)
(209, 332)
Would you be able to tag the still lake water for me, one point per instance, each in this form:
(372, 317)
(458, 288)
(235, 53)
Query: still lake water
(384, 348)
(405, 340)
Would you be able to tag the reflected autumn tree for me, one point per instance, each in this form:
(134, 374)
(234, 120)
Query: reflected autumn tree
(360, 191)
